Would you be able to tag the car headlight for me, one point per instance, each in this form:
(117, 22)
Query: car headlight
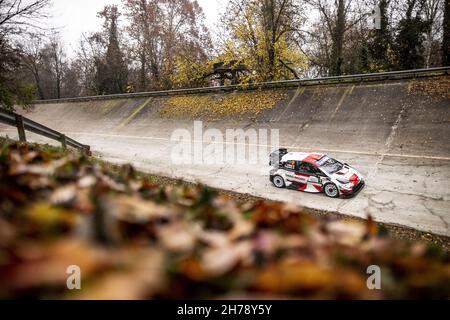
(345, 184)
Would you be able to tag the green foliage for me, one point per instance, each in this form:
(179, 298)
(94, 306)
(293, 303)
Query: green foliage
(12, 90)
(16, 94)
(409, 43)
(376, 53)
(112, 70)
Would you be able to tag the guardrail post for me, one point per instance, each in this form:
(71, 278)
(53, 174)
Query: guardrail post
(87, 151)
(63, 141)
(20, 128)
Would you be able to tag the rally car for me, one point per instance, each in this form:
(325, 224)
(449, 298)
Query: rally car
(314, 172)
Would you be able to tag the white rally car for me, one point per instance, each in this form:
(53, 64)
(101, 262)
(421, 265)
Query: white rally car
(314, 172)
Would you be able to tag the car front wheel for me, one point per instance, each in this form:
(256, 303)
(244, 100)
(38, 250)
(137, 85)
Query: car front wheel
(278, 182)
(331, 190)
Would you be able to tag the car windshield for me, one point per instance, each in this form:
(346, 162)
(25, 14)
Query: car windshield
(329, 165)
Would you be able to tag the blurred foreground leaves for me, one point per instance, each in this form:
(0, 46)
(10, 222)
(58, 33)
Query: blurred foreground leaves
(136, 240)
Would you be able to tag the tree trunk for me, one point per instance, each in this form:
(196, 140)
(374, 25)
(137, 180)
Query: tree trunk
(429, 44)
(58, 76)
(446, 41)
(58, 88)
(338, 41)
(270, 37)
(37, 78)
(142, 73)
(382, 38)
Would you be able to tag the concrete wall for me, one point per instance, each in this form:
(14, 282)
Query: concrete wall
(357, 117)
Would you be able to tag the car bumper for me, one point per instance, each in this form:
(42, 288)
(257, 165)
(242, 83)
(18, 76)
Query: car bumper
(352, 192)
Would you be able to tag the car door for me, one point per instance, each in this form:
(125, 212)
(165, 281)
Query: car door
(302, 174)
(310, 176)
(289, 170)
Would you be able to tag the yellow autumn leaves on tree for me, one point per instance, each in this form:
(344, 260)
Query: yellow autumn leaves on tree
(258, 36)
(261, 36)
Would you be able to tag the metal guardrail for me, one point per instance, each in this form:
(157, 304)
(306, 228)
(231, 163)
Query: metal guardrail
(394, 75)
(22, 124)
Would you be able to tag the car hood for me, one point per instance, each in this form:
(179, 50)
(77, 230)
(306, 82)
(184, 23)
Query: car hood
(349, 174)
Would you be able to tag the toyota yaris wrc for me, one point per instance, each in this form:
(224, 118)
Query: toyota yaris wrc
(316, 173)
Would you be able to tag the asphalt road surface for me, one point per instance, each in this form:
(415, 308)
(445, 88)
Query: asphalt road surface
(404, 190)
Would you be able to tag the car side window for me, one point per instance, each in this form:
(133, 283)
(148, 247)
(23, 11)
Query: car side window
(306, 168)
(302, 167)
(289, 165)
(314, 170)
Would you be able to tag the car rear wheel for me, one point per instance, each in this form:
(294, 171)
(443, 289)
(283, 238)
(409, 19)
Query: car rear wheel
(278, 182)
(331, 190)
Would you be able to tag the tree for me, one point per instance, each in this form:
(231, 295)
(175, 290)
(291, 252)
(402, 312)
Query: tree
(380, 41)
(72, 80)
(432, 15)
(339, 33)
(15, 18)
(338, 39)
(166, 45)
(13, 91)
(334, 18)
(45, 60)
(166, 36)
(57, 63)
(88, 56)
(261, 35)
(411, 36)
(18, 16)
(446, 38)
(145, 32)
(112, 70)
(32, 61)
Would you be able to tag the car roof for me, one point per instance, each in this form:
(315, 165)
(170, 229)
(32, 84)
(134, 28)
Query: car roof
(311, 158)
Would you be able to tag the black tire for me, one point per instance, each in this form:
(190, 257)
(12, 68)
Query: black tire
(278, 182)
(331, 190)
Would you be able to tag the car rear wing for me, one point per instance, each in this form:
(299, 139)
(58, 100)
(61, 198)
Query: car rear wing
(276, 156)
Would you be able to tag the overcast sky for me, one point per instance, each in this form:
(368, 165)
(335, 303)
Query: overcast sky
(75, 17)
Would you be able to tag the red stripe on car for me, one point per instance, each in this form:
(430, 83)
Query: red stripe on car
(355, 180)
(313, 158)
(319, 188)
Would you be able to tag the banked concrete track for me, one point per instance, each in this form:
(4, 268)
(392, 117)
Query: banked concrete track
(396, 132)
